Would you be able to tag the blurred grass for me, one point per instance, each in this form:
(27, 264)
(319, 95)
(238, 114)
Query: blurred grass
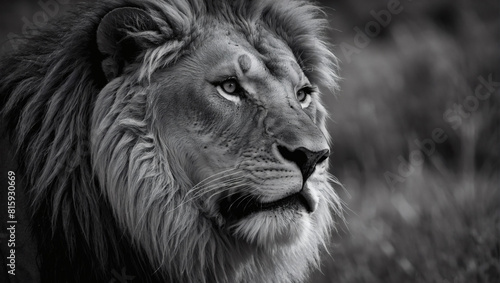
(434, 228)
(440, 222)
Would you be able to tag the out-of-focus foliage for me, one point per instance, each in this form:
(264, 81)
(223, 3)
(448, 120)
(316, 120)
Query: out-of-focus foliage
(428, 214)
(403, 85)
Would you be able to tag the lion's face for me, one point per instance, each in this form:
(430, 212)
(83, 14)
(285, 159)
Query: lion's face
(209, 139)
(245, 125)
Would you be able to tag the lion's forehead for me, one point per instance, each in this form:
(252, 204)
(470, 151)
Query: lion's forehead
(278, 58)
(276, 61)
(280, 67)
(261, 60)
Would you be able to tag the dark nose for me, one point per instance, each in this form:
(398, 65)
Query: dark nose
(304, 158)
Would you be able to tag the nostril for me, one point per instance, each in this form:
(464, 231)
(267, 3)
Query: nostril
(298, 157)
(324, 156)
(305, 159)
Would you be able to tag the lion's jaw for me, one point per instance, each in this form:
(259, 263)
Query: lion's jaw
(197, 159)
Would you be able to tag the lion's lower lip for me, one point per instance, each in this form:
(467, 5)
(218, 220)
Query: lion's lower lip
(240, 206)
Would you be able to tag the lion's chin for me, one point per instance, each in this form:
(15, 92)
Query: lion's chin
(271, 228)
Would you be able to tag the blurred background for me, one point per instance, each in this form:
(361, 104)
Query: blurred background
(416, 137)
(416, 130)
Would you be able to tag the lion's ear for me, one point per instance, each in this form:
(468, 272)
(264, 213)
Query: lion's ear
(122, 35)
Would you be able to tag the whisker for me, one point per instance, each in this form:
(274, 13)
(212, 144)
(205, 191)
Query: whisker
(220, 186)
(206, 187)
(207, 180)
(233, 186)
(336, 181)
(240, 199)
(203, 189)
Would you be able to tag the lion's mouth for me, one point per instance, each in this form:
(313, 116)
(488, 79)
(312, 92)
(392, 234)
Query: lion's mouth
(240, 205)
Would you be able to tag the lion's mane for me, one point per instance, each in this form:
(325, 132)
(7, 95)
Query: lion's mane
(84, 227)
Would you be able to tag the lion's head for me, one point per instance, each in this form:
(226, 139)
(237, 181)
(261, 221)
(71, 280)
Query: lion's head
(191, 133)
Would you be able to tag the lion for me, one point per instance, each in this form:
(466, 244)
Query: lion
(175, 140)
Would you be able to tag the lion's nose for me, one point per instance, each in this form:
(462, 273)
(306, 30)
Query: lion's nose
(304, 158)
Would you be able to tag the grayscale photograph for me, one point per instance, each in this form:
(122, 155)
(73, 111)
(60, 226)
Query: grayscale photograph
(249, 141)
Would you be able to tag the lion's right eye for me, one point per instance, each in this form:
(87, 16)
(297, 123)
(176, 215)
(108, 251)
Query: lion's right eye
(304, 96)
(230, 89)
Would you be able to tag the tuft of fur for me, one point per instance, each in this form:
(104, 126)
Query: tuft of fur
(103, 194)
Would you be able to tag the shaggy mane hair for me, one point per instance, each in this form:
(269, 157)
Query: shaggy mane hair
(49, 89)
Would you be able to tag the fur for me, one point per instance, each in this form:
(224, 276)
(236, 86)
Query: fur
(105, 191)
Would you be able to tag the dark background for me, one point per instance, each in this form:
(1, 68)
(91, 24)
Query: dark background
(415, 145)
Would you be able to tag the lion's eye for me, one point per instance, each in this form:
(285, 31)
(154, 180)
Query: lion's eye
(304, 96)
(301, 95)
(230, 86)
(230, 89)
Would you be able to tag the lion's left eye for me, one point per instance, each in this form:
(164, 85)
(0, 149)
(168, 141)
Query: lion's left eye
(304, 96)
(230, 86)
(230, 89)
